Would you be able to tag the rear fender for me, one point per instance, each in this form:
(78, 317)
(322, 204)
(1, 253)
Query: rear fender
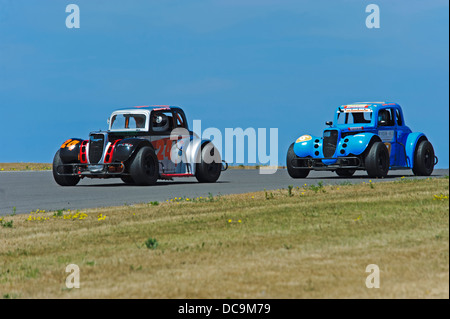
(193, 152)
(410, 146)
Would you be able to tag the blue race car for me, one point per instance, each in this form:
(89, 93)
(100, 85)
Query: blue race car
(369, 136)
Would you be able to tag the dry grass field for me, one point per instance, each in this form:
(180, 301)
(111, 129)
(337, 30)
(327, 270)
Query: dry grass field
(25, 167)
(48, 166)
(311, 242)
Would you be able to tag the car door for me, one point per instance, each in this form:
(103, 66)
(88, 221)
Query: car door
(161, 125)
(179, 146)
(387, 131)
(402, 134)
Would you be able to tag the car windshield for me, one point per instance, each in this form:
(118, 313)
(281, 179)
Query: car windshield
(127, 121)
(352, 117)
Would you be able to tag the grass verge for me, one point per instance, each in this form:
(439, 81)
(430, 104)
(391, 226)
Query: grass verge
(5, 167)
(242, 166)
(311, 242)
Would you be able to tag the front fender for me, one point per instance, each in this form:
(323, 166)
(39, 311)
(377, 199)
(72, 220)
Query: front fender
(70, 150)
(127, 147)
(307, 145)
(410, 146)
(358, 143)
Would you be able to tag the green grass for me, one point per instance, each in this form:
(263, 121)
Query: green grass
(310, 242)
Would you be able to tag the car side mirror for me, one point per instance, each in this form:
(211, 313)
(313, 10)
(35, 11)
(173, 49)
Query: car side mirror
(330, 123)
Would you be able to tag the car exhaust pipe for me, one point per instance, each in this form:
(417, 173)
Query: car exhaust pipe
(224, 166)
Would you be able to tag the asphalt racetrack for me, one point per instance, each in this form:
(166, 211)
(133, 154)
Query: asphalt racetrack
(31, 190)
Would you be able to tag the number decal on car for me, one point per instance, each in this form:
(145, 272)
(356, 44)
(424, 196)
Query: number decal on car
(304, 138)
(70, 144)
(162, 148)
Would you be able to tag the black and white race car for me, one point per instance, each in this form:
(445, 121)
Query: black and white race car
(143, 144)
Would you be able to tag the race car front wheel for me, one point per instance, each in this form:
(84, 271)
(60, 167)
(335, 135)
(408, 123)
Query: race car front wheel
(294, 172)
(127, 179)
(345, 172)
(144, 168)
(63, 180)
(209, 165)
(377, 160)
(424, 159)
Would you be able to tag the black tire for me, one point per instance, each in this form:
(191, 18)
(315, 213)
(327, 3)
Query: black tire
(345, 172)
(209, 165)
(144, 168)
(377, 160)
(61, 179)
(127, 179)
(423, 159)
(294, 172)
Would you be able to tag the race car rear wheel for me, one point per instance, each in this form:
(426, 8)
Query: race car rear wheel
(63, 180)
(377, 160)
(294, 172)
(424, 159)
(144, 168)
(209, 165)
(345, 172)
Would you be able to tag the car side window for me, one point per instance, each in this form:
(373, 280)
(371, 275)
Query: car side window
(137, 121)
(179, 120)
(386, 117)
(399, 117)
(162, 122)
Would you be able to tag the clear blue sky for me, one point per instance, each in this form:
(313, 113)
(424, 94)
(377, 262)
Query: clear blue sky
(230, 63)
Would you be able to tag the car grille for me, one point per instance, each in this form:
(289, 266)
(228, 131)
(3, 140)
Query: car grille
(330, 139)
(96, 144)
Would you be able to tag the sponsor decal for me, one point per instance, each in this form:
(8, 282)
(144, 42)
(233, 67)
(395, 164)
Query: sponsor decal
(386, 135)
(350, 106)
(355, 128)
(357, 110)
(126, 144)
(303, 138)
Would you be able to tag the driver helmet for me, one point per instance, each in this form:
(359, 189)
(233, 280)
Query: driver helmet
(160, 122)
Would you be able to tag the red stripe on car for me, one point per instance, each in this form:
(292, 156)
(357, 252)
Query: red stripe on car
(109, 152)
(83, 152)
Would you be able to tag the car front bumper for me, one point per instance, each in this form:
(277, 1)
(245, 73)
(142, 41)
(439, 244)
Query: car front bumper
(327, 164)
(91, 170)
